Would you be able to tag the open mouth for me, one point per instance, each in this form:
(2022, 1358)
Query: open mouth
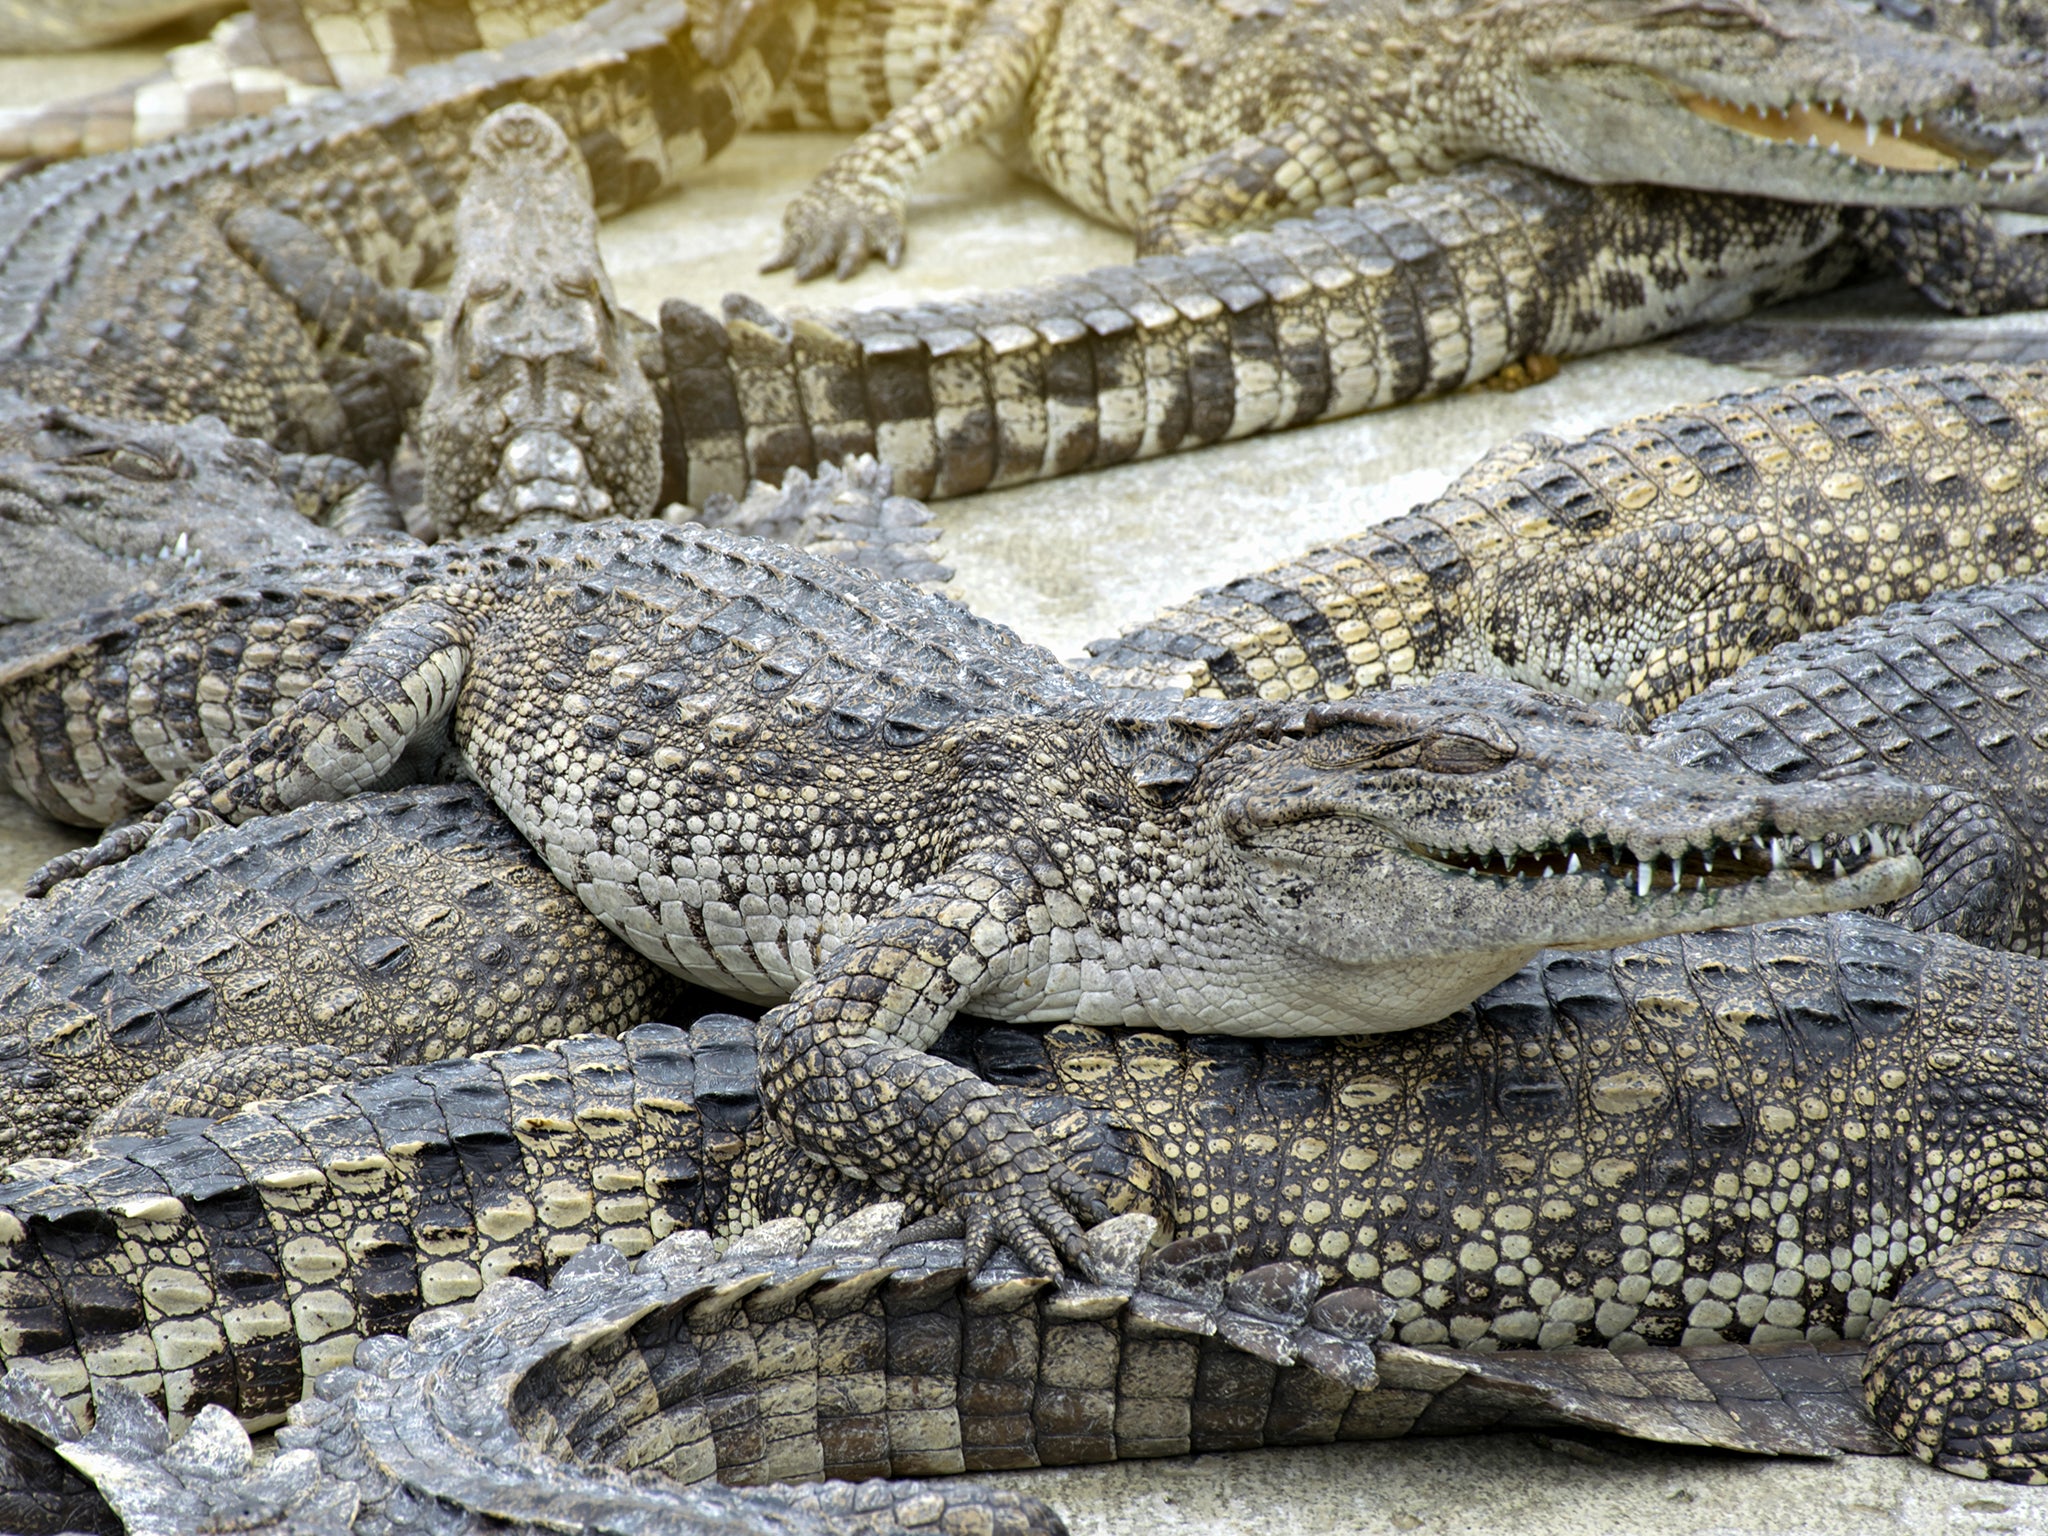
(1890, 145)
(1721, 866)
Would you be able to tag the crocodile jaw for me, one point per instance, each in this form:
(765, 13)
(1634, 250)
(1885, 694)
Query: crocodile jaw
(1612, 124)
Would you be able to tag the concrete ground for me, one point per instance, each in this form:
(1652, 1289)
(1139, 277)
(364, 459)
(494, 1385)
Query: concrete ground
(1073, 560)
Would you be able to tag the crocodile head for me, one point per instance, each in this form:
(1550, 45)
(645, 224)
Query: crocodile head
(1387, 860)
(539, 411)
(91, 507)
(1810, 100)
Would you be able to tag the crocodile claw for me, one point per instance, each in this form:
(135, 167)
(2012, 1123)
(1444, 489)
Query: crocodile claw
(117, 844)
(1016, 1194)
(838, 225)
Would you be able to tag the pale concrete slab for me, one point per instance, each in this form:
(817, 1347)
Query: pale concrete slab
(1075, 559)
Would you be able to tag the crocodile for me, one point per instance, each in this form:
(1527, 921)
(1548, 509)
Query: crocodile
(91, 507)
(392, 928)
(716, 743)
(1644, 560)
(539, 407)
(1946, 692)
(1788, 1134)
(1181, 119)
(864, 1353)
(266, 271)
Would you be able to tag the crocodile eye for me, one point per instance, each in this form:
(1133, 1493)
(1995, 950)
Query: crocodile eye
(1455, 752)
(131, 461)
(252, 454)
(578, 285)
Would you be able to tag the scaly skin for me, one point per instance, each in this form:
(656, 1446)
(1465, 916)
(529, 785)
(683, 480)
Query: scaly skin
(1748, 1136)
(1647, 559)
(1203, 866)
(257, 271)
(90, 508)
(270, 958)
(107, 712)
(1409, 295)
(539, 411)
(846, 1356)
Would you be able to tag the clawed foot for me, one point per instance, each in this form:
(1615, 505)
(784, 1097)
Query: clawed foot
(837, 225)
(1022, 1197)
(116, 844)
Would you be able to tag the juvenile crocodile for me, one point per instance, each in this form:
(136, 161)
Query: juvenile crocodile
(1951, 692)
(90, 508)
(717, 744)
(860, 1357)
(392, 928)
(1646, 559)
(1797, 1131)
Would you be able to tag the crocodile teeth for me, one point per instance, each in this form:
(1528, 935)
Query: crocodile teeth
(1882, 145)
(1643, 875)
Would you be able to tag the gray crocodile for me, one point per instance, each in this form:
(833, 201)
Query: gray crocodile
(91, 507)
(864, 1354)
(717, 745)
(1948, 692)
(1791, 1133)
(539, 408)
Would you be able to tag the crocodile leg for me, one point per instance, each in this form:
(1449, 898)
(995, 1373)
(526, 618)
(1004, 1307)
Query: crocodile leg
(1958, 1368)
(1960, 261)
(846, 1075)
(1977, 878)
(1295, 167)
(855, 208)
(1653, 614)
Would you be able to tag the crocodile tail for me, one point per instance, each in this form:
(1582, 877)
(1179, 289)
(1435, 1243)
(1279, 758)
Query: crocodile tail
(1427, 289)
